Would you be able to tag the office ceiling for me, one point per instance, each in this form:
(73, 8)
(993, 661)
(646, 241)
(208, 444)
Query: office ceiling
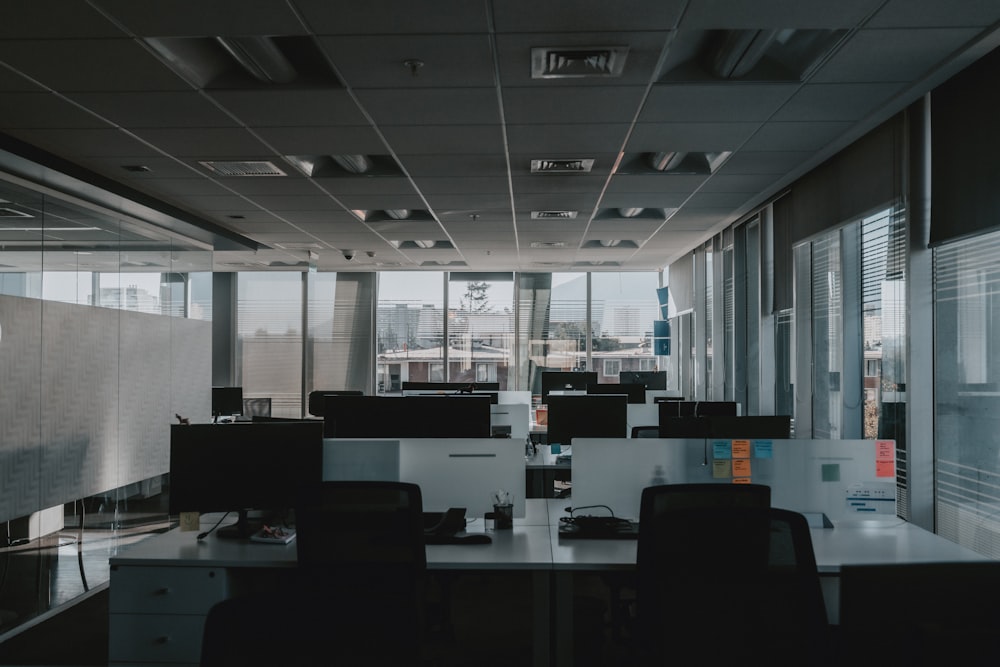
(403, 133)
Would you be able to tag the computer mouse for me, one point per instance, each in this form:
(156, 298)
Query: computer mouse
(475, 538)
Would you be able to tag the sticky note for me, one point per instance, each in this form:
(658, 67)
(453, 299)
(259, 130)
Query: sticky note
(742, 480)
(722, 449)
(885, 450)
(190, 521)
(885, 468)
(741, 449)
(741, 467)
(763, 449)
(721, 469)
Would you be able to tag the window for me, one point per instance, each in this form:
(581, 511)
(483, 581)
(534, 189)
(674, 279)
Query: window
(409, 328)
(967, 392)
(623, 308)
(480, 327)
(435, 372)
(269, 339)
(612, 367)
(647, 364)
(486, 372)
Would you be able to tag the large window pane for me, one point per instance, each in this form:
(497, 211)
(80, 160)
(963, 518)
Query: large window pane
(827, 328)
(480, 330)
(553, 316)
(623, 307)
(269, 339)
(967, 393)
(409, 329)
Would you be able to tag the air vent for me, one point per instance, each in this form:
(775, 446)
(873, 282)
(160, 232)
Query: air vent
(554, 215)
(323, 166)
(301, 245)
(581, 62)
(243, 168)
(6, 212)
(582, 165)
(548, 244)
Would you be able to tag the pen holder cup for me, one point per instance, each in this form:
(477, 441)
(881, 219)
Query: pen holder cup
(503, 517)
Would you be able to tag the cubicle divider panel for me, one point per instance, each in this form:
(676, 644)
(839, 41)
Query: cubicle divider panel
(515, 415)
(846, 480)
(464, 472)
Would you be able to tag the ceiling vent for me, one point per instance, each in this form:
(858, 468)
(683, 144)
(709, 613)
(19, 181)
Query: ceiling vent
(611, 243)
(393, 215)
(554, 215)
(635, 213)
(573, 166)
(581, 62)
(547, 245)
(242, 168)
(6, 212)
(671, 162)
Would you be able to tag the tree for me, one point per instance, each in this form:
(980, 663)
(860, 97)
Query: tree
(475, 299)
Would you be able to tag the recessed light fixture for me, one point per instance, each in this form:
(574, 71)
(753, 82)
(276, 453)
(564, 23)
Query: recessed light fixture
(562, 166)
(136, 168)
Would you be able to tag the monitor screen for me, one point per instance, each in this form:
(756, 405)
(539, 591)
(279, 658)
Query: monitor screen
(654, 380)
(227, 401)
(696, 408)
(450, 416)
(566, 380)
(317, 397)
(589, 416)
(242, 466)
(750, 426)
(636, 393)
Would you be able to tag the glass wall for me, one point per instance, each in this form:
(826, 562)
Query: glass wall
(88, 394)
(967, 392)
(623, 308)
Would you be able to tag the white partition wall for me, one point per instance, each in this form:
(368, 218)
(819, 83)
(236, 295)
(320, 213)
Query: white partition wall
(848, 480)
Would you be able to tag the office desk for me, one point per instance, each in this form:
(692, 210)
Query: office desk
(162, 588)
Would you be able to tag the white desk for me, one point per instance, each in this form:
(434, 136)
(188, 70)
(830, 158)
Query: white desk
(162, 587)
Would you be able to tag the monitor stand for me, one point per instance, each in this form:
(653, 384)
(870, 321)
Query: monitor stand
(241, 530)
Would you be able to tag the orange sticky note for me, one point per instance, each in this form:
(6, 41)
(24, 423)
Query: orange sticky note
(885, 450)
(741, 480)
(741, 449)
(741, 467)
(885, 468)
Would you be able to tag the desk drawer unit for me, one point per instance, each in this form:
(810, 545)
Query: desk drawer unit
(157, 614)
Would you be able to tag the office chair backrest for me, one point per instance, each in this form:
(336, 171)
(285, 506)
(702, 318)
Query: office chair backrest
(361, 558)
(728, 562)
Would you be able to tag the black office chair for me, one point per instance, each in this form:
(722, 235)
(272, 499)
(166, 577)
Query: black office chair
(362, 561)
(263, 630)
(734, 581)
(646, 431)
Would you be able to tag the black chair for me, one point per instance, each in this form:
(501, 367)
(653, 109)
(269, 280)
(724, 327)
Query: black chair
(734, 580)
(362, 561)
(645, 431)
(263, 630)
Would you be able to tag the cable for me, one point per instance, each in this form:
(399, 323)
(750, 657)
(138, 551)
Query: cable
(205, 534)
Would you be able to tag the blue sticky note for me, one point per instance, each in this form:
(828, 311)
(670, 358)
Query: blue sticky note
(554, 448)
(722, 449)
(762, 449)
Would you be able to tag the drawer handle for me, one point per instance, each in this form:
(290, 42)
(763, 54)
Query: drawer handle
(162, 591)
(163, 639)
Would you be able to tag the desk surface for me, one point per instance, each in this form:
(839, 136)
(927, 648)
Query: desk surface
(534, 543)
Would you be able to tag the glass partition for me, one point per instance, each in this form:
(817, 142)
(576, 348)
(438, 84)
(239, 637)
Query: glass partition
(88, 394)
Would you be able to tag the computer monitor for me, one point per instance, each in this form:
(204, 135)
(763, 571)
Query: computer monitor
(587, 416)
(654, 380)
(241, 467)
(566, 380)
(636, 393)
(491, 389)
(696, 408)
(450, 416)
(750, 426)
(316, 398)
(227, 401)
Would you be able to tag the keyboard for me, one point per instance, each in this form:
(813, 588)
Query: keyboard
(598, 528)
